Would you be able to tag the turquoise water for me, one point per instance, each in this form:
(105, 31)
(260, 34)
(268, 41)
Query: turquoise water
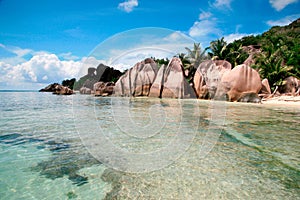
(52, 147)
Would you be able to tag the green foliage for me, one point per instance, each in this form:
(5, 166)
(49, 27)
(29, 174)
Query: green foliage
(280, 56)
(279, 53)
(236, 55)
(78, 84)
(218, 49)
(232, 52)
(192, 59)
(271, 65)
(160, 62)
(69, 83)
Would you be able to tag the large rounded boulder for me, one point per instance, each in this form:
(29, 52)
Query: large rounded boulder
(137, 80)
(103, 89)
(170, 82)
(242, 83)
(291, 85)
(62, 90)
(208, 76)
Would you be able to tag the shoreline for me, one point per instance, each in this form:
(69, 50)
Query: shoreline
(283, 101)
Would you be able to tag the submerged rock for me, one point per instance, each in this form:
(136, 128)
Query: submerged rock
(238, 82)
(137, 80)
(170, 82)
(66, 162)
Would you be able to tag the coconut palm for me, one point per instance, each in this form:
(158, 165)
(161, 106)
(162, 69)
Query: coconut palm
(236, 54)
(271, 65)
(218, 49)
(193, 59)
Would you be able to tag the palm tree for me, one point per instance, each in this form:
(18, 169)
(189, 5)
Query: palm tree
(218, 49)
(192, 59)
(271, 65)
(236, 54)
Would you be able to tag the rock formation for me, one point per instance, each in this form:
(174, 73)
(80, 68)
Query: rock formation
(265, 90)
(137, 80)
(62, 90)
(101, 73)
(85, 90)
(56, 88)
(170, 82)
(107, 74)
(49, 88)
(103, 89)
(69, 83)
(290, 85)
(208, 76)
(252, 50)
(242, 83)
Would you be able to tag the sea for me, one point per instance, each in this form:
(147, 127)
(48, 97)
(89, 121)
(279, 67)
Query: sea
(86, 147)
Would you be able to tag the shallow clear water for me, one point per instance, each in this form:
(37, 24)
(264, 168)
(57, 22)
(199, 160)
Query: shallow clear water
(82, 147)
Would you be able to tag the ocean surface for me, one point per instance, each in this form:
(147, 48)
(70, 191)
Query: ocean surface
(85, 147)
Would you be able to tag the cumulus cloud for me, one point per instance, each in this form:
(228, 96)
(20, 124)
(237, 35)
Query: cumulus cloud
(42, 68)
(281, 4)
(205, 29)
(128, 5)
(284, 21)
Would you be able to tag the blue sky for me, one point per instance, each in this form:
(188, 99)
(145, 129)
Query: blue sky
(46, 41)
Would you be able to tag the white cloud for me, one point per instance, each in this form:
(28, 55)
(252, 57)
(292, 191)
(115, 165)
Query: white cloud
(45, 78)
(281, 4)
(177, 35)
(203, 28)
(128, 5)
(235, 36)
(204, 15)
(49, 65)
(221, 4)
(40, 69)
(68, 56)
(17, 52)
(21, 52)
(284, 21)
(129, 58)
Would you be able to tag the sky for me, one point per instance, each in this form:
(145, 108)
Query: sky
(46, 41)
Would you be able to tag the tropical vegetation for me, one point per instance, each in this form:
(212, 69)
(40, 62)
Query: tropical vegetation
(276, 54)
(276, 58)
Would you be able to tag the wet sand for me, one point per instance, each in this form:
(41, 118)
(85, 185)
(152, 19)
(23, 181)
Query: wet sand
(283, 101)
